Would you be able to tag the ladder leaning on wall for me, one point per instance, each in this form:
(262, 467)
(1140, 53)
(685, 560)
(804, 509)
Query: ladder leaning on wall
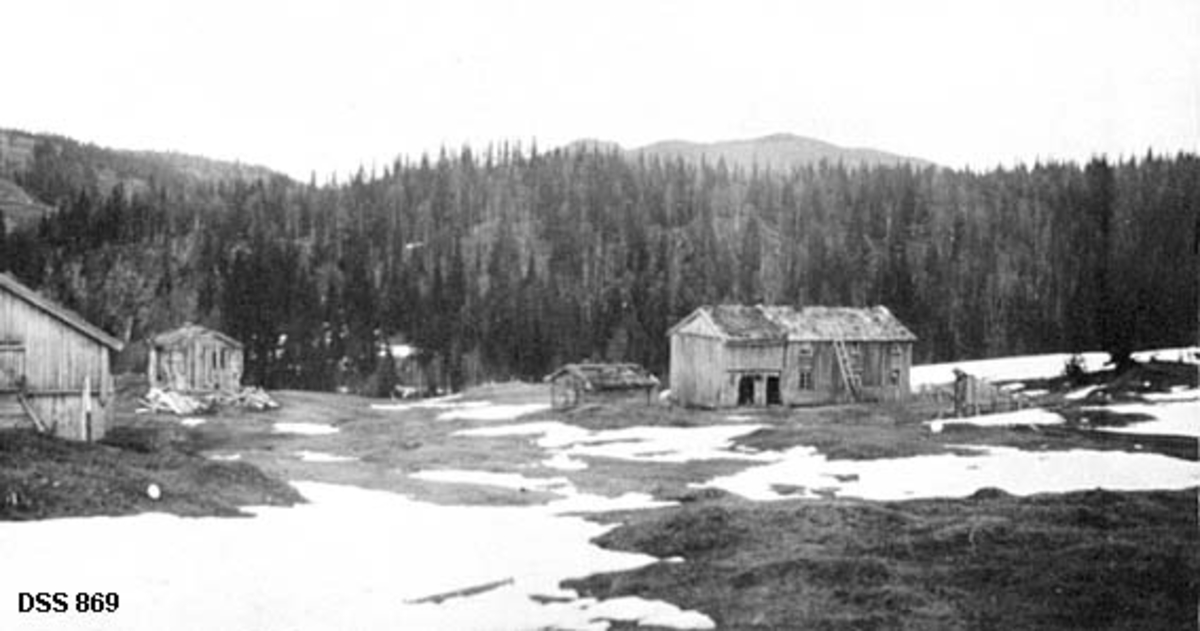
(850, 376)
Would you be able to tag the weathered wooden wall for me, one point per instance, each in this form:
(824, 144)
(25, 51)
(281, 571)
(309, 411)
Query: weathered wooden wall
(199, 364)
(878, 363)
(822, 363)
(698, 371)
(58, 361)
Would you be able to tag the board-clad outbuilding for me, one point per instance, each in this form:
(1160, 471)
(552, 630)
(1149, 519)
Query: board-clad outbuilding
(193, 358)
(55, 367)
(731, 355)
(575, 384)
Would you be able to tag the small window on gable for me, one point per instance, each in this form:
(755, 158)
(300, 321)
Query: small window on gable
(855, 348)
(897, 349)
(806, 349)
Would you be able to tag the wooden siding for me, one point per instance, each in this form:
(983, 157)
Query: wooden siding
(754, 357)
(705, 371)
(201, 364)
(821, 365)
(698, 371)
(58, 361)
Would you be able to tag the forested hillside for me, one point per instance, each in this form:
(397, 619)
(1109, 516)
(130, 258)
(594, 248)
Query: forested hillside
(507, 263)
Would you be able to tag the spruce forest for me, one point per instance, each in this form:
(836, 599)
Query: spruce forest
(506, 262)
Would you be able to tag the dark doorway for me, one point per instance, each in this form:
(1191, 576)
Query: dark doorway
(746, 390)
(773, 396)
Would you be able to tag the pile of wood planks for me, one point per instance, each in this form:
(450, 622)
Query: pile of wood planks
(159, 400)
(252, 398)
(172, 402)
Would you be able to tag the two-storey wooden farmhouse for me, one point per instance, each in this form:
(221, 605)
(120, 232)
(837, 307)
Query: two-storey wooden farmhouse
(732, 355)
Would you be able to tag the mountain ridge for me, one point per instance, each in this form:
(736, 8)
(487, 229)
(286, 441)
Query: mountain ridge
(778, 151)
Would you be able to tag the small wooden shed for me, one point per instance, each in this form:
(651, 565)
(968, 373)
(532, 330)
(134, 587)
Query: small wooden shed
(55, 367)
(731, 355)
(193, 358)
(574, 384)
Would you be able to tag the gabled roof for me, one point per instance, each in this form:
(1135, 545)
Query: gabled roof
(809, 324)
(607, 376)
(62, 314)
(189, 332)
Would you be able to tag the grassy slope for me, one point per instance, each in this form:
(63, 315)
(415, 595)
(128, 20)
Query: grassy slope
(43, 477)
(1091, 560)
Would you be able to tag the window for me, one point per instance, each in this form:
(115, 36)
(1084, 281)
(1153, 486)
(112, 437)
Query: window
(806, 349)
(895, 377)
(896, 349)
(805, 381)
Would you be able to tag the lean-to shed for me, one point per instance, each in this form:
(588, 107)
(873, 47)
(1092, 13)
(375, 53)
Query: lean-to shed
(55, 367)
(731, 355)
(193, 358)
(573, 384)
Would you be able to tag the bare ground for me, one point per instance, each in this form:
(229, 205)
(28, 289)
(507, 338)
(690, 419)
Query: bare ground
(1090, 560)
(1082, 560)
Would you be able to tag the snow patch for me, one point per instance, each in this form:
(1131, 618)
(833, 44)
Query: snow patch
(1032, 416)
(1035, 366)
(642, 443)
(491, 478)
(1186, 355)
(311, 429)
(1080, 394)
(570, 501)
(1178, 393)
(448, 402)
(493, 412)
(948, 475)
(350, 558)
(192, 421)
(1175, 418)
(1002, 368)
(650, 613)
(319, 456)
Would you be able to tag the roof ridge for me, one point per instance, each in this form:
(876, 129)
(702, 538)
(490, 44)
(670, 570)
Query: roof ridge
(63, 314)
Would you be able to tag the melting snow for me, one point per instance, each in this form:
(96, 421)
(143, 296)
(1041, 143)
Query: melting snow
(494, 412)
(1002, 369)
(352, 558)
(1034, 366)
(650, 613)
(319, 456)
(1178, 418)
(571, 500)
(1178, 393)
(467, 410)
(1031, 416)
(449, 402)
(490, 478)
(191, 421)
(644, 444)
(947, 475)
(1186, 354)
(305, 428)
(1080, 394)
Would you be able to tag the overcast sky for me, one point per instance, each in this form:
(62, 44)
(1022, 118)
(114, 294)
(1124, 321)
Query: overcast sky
(302, 86)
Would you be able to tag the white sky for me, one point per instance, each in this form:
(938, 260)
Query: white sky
(302, 86)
